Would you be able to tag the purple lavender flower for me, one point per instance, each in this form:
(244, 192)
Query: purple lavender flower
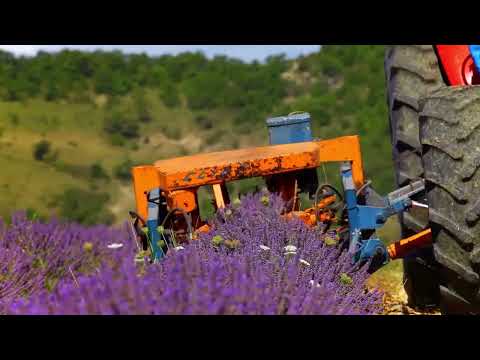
(253, 261)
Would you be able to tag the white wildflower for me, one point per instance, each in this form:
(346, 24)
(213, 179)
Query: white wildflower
(290, 248)
(304, 262)
(115, 246)
(263, 247)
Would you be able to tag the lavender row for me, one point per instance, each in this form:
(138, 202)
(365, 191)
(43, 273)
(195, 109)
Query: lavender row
(252, 262)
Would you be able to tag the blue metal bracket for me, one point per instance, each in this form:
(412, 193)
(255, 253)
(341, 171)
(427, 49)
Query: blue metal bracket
(152, 226)
(363, 218)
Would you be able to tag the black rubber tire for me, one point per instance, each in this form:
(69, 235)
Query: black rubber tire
(450, 137)
(412, 72)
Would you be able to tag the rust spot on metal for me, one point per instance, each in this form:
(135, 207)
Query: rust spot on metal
(188, 177)
(213, 171)
(226, 172)
(278, 161)
(202, 175)
(243, 170)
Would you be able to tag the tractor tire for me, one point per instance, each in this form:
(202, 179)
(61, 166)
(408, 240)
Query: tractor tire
(412, 72)
(450, 138)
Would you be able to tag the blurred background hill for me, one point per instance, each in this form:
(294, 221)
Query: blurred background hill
(73, 123)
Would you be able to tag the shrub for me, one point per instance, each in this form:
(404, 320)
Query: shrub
(34, 215)
(117, 140)
(52, 93)
(84, 207)
(134, 146)
(98, 172)
(41, 150)
(123, 170)
(14, 119)
(172, 131)
(204, 121)
(142, 106)
(121, 124)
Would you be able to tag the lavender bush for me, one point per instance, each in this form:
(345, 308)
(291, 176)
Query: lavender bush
(252, 262)
(35, 256)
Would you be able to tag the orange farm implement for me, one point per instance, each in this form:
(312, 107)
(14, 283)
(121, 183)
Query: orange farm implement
(167, 192)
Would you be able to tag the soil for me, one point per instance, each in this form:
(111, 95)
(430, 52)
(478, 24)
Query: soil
(390, 280)
(396, 304)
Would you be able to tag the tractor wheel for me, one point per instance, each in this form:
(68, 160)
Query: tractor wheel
(450, 138)
(412, 72)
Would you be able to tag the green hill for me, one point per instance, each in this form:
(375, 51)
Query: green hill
(72, 124)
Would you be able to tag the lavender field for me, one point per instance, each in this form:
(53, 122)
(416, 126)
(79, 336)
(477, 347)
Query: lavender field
(253, 262)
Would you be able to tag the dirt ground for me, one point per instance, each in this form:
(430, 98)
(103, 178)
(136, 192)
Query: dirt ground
(396, 304)
(390, 280)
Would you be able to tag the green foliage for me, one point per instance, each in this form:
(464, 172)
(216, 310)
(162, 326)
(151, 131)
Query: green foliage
(123, 170)
(84, 207)
(245, 117)
(265, 200)
(41, 150)
(205, 90)
(14, 119)
(142, 106)
(172, 131)
(134, 146)
(34, 215)
(121, 124)
(215, 135)
(343, 87)
(117, 140)
(169, 95)
(345, 279)
(98, 172)
(217, 240)
(204, 122)
(347, 98)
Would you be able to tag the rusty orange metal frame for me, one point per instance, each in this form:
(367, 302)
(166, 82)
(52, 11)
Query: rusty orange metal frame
(180, 178)
(309, 216)
(401, 248)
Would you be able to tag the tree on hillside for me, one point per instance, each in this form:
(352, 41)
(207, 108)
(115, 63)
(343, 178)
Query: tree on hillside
(121, 124)
(205, 90)
(142, 105)
(169, 95)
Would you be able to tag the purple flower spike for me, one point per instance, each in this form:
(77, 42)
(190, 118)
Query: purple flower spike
(264, 265)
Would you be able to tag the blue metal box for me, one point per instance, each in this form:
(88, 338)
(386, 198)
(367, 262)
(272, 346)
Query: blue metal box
(293, 128)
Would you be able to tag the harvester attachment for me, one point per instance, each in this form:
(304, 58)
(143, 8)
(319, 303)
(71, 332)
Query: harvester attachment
(167, 203)
(176, 181)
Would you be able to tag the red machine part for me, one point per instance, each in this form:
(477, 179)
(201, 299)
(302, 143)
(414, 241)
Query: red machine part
(458, 65)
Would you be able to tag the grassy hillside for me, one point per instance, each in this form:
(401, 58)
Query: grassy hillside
(98, 114)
